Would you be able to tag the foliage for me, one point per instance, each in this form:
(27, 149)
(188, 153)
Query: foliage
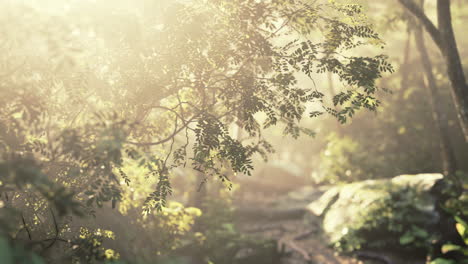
(393, 221)
(457, 207)
(174, 226)
(88, 247)
(223, 243)
(203, 81)
(376, 146)
(401, 137)
(462, 228)
(83, 100)
(344, 160)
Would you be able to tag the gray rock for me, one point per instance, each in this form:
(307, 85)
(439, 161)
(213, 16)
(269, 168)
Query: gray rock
(341, 208)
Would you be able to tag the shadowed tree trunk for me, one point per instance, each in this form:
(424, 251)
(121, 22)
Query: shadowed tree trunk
(405, 66)
(444, 38)
(449, 164)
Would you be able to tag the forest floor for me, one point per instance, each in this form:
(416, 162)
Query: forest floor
(302, 240)
(301, 243)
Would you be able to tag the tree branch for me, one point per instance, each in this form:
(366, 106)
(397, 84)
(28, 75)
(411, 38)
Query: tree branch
(56, 238)
(425, 21)
(26, 227)
(173, 134)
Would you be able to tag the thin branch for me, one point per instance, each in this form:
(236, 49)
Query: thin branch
(56, 238)
(286, 22)
(26, 227)
(179, 116)
(162, 141)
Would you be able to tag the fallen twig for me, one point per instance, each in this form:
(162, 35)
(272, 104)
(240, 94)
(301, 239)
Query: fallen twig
(298, 249)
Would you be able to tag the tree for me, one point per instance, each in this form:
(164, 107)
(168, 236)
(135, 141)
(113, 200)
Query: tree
(449, 163)
(444, 37)
(105, 100)
(207, 66)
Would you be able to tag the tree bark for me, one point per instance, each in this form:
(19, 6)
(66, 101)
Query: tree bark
(444, 38)
(453, 61)
(449, 163)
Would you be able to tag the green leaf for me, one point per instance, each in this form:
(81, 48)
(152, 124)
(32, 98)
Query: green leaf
(461, 229)
(461, 222)
(442, 261)
(406, 238)
(419, 232)
(450, 247)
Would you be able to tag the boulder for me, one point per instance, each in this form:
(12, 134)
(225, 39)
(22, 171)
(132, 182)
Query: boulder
(378, 209)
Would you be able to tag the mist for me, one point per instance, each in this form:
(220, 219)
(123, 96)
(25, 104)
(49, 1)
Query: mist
(233, 131)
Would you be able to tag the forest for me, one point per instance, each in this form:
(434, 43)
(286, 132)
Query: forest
(233, 132)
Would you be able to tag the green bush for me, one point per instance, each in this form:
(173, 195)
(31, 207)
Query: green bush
(345, 160)
(462, 228)
(457, 206)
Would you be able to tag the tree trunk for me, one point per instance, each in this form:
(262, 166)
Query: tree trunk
(449, 164)
(444, 38)
(454, 66)
(405, 66)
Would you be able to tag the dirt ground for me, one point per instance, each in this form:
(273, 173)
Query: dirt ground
(303, 241)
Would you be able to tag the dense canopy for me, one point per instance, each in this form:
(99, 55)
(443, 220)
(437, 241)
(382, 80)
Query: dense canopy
(136, 104)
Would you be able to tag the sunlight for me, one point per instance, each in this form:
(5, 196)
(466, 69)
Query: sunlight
(233, 132)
